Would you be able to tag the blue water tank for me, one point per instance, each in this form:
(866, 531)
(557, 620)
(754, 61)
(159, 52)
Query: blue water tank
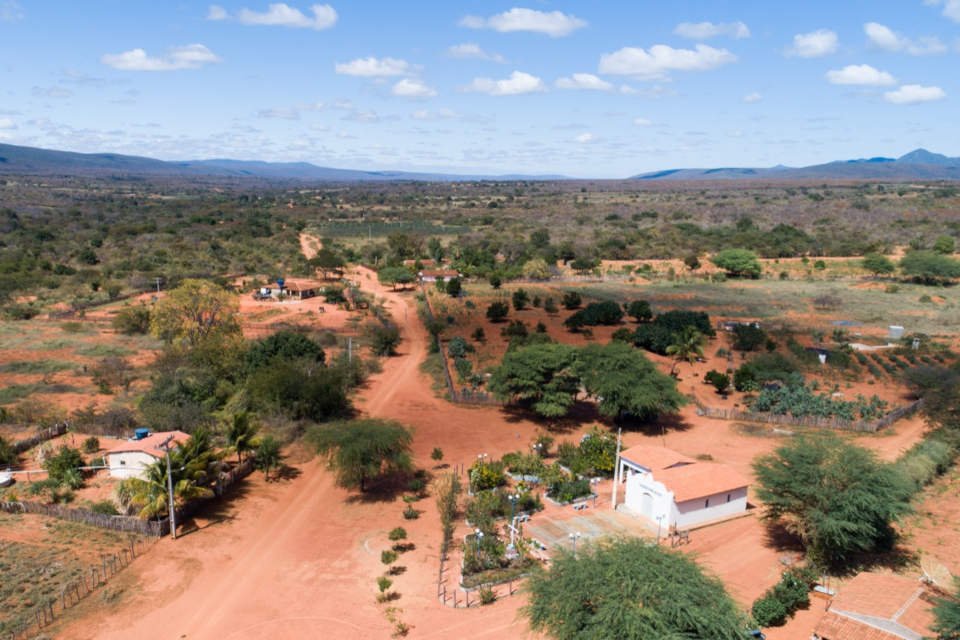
(140, 434)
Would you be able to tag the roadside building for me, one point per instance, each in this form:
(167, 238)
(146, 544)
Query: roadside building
(129, 458)
(670, 489)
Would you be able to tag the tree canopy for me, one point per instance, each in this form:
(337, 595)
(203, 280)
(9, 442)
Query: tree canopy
(540, 376)
(947, 613)
(284, 344)
(326, 261)
(878, 264)
(738, 262)
(835, 496)
(930, 267)
(630, 589)
(393, 276)
(195, 311)
(624, 382)
(359, 451)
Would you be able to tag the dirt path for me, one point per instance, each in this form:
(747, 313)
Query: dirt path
(299, 558)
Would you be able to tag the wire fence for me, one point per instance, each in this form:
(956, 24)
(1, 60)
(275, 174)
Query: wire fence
(459, 396)
(90, 579)
(819, 422)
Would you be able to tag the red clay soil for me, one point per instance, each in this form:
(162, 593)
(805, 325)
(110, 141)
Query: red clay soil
(299, 558)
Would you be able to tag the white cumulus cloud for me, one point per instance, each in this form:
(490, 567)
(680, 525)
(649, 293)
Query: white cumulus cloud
(7, 123)
(412, 88)
(584, 81)
(885, 38)
(518, 83)
(552, 23)
(191, 56)
(914, 94)
(860, 74)
(374, 67)
(752, 98)
(585, 138)
(216, 12)
(815, 44)
(706, 30)
(642, 122)
(283, 15)
(473, 50)
(951, 8)
(660, 59)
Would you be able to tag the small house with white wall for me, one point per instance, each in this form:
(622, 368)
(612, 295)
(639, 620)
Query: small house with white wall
(434, 275)
(130, 458)
(670, 489)
(295, 288)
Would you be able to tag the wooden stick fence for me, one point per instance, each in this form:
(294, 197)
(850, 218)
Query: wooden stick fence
(75, 591)
(831, 422)
(46, 434)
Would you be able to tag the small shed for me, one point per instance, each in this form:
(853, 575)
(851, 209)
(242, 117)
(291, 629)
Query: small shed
(130, 458)
(433, 275)
(296, 288)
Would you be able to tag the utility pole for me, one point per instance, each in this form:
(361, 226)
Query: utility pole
(616, 470)
(157, 281)
(350, 349)
(165, 445)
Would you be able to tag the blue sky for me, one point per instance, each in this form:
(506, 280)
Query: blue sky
(598, 89)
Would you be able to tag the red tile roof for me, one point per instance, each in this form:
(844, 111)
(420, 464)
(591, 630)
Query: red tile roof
(687, 478)
(150, 444)
(878, 606)
(439, 273)
(700, 480)
(654, 458)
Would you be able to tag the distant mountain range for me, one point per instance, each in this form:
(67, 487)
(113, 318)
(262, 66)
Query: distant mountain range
(33, 161)
(916, 165)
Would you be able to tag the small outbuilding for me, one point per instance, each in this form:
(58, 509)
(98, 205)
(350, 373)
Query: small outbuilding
(878, 606)
(670, 489)
(130, 458)
(433, 275)
(296, 288)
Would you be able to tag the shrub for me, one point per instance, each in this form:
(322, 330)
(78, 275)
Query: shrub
(384, 583)
(497, 311)
(437, 454)
(91, 445)
(410, 513)
(487, 595)
(572, 300)
(596, 313)
(104, 507)
(384, 339)
(769, 612)
(398, 533)
(520, 299)
(747, 337)
(738, 262)
(388, 557)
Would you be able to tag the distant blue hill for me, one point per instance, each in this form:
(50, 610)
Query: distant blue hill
(916, 165)
(33, 161)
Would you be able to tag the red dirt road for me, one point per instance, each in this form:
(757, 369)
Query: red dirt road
(299, 558)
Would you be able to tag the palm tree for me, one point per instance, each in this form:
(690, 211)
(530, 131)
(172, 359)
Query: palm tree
(687, 346)
(268, 455)
(242, 435)
(149, 494)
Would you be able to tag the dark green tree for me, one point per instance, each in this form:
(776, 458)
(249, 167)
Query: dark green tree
(624, 382)
(327, 261)
(497, 311)
(540, 377)
(360, 451)
(454, 288)
(834, 496)
(878, 264)
(520, 299)
(284, 344)
(627, 588)
(640, 311)
(929, 267)
(269, 456)
(571, 300)
(738, 262)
